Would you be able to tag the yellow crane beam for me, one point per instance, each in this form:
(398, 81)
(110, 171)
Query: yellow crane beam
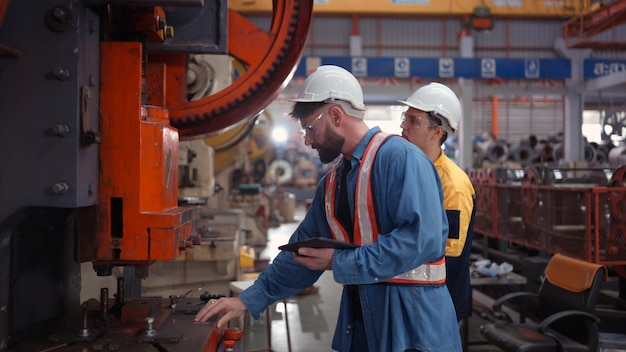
(522, 8)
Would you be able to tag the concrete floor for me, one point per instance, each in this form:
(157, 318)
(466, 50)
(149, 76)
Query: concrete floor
(312, 317)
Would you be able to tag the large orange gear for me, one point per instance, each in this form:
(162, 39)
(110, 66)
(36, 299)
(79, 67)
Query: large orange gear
(271, 57)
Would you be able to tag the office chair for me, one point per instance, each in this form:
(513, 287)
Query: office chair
(565, 313)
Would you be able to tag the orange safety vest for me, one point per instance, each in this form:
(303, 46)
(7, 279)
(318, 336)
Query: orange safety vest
(365, 226)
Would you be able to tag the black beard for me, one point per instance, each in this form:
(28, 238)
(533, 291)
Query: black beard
(331, 148)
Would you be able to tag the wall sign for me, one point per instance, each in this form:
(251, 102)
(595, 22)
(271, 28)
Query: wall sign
(506, 68)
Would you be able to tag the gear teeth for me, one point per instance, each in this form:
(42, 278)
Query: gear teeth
(258, 85)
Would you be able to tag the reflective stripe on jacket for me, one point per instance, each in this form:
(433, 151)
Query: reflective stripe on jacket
(365, 228)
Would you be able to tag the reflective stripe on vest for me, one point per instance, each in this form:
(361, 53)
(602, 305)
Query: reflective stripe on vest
(365, 226)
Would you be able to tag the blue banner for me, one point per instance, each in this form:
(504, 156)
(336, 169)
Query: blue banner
(402, 67)
(594, 68)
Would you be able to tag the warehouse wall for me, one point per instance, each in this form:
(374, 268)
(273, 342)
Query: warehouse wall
(521, 108)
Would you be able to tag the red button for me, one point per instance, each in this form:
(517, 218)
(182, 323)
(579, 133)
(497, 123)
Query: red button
(233, 333)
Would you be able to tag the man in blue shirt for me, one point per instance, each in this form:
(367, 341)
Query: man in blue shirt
(394, 296)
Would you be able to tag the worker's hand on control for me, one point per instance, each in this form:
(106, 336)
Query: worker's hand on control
(231, 307)
(315, 258)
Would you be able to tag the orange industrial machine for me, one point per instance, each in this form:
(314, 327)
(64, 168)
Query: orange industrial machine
(93, 104)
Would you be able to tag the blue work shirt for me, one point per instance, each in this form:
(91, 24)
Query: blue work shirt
(413, 231)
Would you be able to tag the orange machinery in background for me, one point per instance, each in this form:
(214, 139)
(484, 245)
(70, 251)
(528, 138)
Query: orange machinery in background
(93, 104)
(579, 212)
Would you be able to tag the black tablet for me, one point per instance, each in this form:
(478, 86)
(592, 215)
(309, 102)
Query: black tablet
(317, 242)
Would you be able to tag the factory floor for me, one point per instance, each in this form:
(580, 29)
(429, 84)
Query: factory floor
(311, 318)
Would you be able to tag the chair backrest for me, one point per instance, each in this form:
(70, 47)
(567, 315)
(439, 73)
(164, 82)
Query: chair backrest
(570, 284)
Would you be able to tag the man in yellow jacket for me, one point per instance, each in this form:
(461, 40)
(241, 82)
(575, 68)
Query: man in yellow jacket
(434, 112)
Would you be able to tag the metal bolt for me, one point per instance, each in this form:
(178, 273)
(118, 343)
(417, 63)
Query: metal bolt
(59, 14)
(60, 188)
(59, 18)
(61, 129)
(150, 331)
(61, 73)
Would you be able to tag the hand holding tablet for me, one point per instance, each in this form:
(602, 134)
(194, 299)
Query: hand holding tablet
(317, 242)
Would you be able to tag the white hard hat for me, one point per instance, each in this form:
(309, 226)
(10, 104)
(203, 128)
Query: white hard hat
(330, 83)
(438, 98)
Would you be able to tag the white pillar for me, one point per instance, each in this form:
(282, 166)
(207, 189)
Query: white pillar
(466, 129)
(573, 141)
